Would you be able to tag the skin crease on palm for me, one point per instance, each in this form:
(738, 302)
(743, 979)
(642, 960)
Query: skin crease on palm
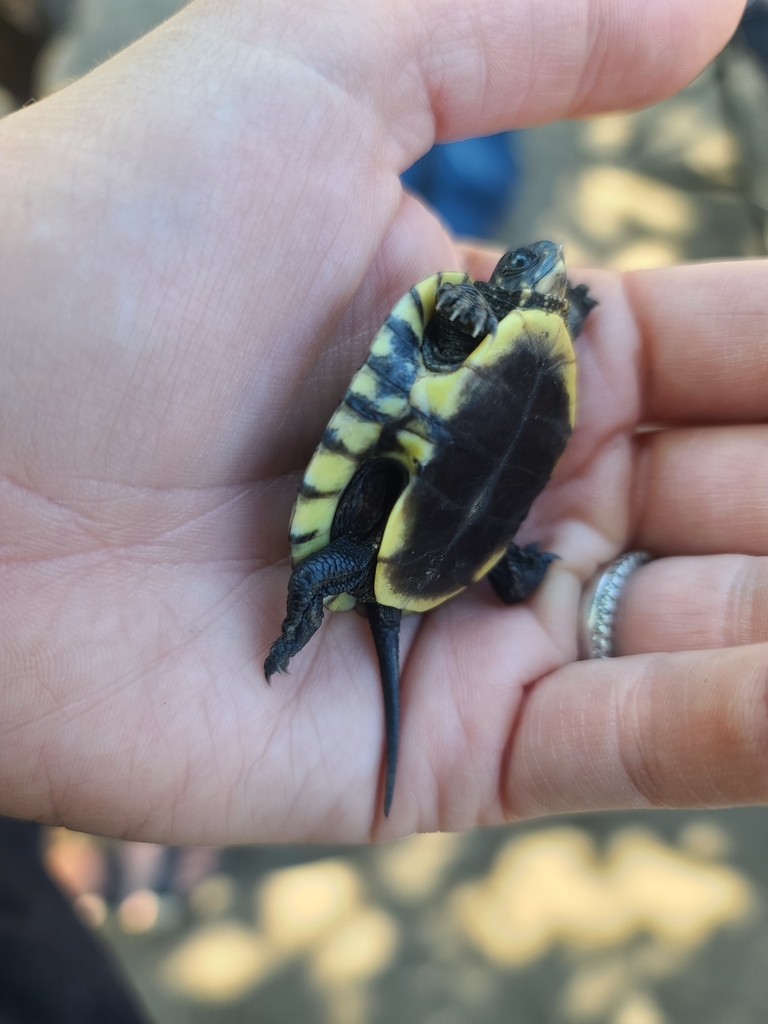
(198, 241)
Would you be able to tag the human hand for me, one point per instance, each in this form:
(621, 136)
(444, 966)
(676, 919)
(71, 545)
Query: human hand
(199, 241)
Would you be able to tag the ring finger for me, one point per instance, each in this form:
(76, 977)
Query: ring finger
(694, 603)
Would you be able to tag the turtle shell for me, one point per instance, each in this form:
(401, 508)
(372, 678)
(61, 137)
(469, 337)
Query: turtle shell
(478, 442)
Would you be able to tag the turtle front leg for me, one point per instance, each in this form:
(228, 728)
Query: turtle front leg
(519, 572)
(343, 566)
(462, 319)
(466, 308)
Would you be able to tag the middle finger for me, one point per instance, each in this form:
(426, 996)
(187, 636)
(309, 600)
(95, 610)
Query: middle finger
(702, 491)
(704, 331)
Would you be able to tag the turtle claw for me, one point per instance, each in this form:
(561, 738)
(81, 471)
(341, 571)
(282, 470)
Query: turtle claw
(275, 663)
(463, 304)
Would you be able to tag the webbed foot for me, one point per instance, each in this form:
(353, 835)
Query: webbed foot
(341, 567)
(520, 572)
(580, 302)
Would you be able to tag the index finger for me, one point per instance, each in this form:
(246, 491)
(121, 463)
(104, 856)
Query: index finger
(485, 66)
(704, 332)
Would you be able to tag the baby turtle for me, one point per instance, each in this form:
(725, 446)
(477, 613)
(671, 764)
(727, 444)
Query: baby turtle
(445, 436)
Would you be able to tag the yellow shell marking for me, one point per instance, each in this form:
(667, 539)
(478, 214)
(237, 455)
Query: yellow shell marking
(416, 450)
(365, 384)
(355, 434)
(441, 395)
(486, 567)
(329, 472)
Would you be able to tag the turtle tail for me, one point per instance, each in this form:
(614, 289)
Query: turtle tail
(385, 627)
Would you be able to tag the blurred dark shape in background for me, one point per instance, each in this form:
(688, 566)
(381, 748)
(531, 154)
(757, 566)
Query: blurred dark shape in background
(471, 184)
(52, 969)
(25, 28)
(754, 30)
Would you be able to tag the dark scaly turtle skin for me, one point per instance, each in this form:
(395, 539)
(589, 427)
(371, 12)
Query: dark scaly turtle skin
(444, 438)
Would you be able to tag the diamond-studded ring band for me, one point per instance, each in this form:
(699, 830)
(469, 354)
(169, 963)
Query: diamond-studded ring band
(600, 603)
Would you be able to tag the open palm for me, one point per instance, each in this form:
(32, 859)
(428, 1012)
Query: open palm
(199, 241)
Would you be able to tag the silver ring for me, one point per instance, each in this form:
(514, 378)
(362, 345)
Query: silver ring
(600, 603)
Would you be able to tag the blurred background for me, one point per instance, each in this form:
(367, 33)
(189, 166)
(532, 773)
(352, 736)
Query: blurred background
(621, 918)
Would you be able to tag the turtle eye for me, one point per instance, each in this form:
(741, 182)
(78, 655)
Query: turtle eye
(513, 268)
(522, 259)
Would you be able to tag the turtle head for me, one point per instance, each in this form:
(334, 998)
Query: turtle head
(538, 268)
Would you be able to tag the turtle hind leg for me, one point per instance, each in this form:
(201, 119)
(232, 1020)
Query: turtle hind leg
(385, 627)
(519, 572)
(343, 566)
